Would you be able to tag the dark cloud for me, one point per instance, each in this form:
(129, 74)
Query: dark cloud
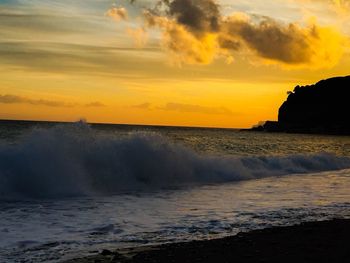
(96, 104)
(197, 15)
(143, 106)
(285, 43)
(196, 109)
(181, 107)
(12, 99)
(195, 32)
(15, 99)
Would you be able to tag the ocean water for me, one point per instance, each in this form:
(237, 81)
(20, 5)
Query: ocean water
(69, 190)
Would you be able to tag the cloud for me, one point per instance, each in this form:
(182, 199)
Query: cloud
(118, 13)
(43, 25)
(180, 107)
(78, 59)
(196, 109)
(96, 104)
(342, 7)
(195, 32)
(289, 44)
(12, 99)
(197, 15)
(182, 45)
(344, 4)
(143, 106)
(139, 35)
(15, 99)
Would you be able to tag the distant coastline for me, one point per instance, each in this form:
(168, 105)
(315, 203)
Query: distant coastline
(322, 108)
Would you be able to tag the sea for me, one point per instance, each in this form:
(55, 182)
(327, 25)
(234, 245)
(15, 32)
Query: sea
(69, 190)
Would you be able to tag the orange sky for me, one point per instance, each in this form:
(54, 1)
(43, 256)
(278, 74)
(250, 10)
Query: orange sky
(113, 62)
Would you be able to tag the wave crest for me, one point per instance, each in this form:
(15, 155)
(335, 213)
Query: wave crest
(72, 160)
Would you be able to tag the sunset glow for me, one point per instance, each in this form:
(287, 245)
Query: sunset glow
(140, 62)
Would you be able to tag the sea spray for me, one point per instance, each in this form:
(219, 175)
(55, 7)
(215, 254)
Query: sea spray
(73, 160)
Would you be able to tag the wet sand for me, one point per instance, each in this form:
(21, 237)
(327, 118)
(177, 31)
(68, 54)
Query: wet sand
(327, 241)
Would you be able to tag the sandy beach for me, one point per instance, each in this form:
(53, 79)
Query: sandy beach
(326, 241)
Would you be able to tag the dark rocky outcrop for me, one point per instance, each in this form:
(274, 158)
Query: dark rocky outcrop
(321, 108)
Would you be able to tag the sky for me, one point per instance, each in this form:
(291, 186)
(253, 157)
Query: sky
(225, 63)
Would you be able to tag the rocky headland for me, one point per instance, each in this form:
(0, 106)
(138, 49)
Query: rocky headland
(322, 108)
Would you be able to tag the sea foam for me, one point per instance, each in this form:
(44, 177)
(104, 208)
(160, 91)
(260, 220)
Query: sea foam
(73, 160)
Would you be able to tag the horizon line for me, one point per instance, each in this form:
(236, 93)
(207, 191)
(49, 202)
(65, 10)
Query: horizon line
(124, 124)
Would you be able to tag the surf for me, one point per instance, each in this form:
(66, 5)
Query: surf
(74, 160)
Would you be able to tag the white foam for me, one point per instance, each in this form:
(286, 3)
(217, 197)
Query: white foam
(73, 160)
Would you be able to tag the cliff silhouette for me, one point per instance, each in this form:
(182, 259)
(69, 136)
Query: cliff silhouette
(320, 108)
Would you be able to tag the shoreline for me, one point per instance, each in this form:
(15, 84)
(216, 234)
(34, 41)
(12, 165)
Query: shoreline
(324, 241)
(278, 127)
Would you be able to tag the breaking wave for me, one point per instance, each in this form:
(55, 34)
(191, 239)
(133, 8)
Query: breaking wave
(73, 160)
